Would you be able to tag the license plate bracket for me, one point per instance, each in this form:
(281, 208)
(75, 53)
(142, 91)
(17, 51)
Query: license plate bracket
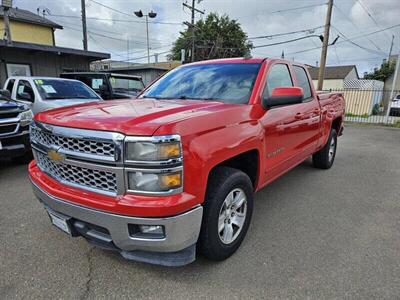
(60, 221)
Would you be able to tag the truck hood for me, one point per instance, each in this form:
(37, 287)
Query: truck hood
(7, 105)
(131, 117)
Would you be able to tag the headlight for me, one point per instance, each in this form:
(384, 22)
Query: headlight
(149, 181)
(153, 149)
(26, 117)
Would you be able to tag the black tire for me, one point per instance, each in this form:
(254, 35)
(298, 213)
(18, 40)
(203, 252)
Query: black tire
(322, 159)
(223, 181)
(24, 159)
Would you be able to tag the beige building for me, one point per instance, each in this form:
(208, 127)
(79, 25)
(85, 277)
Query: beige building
(34, 52)
(335, 76)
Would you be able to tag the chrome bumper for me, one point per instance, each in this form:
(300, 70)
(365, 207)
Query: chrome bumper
(181, 231)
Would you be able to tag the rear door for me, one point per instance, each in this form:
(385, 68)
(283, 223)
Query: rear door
(309, 118)
(289, 129)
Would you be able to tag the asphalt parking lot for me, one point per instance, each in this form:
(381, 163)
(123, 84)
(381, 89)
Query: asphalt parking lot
(314, 234)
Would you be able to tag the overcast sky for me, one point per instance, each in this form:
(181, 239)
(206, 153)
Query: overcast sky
(109, 31)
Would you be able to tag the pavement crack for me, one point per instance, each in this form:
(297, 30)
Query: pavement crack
(89, 257)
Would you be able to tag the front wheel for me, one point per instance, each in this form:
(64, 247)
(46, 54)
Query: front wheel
(325, 157)
(227, 213)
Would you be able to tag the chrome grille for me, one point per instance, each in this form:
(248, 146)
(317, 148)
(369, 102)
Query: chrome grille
(86, 146)
(87, 178)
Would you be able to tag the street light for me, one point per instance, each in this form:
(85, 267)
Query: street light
(152, 15)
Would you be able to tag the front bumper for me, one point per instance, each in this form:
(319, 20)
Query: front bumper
(15, 145)
(175, 248)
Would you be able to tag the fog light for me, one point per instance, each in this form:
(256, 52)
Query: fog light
(151, 229)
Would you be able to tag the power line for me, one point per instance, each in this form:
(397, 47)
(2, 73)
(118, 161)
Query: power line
(363, 6)
(351, 21)
(310, 30)
(116, 20)
(285, 10)
(354, 43)
(353, 38)
(288, 41)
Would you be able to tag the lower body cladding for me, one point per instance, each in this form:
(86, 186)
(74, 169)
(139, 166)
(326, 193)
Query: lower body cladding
(173, 243)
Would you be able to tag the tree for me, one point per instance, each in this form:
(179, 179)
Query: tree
(215, 37)
(385, 71)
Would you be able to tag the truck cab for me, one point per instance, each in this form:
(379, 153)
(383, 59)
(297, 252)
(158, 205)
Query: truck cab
(109, 85)
(44, 93)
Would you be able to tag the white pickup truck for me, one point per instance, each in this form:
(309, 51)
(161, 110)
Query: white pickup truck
(43, 93)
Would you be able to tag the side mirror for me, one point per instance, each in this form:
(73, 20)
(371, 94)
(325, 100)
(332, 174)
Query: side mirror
(284, 96)
(103, 89)
(25, 96)
(5, 94)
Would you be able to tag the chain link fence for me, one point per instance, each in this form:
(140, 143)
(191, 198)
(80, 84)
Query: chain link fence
(373, 106)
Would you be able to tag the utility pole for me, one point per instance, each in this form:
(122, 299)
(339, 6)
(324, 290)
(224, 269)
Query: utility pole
(7, 4)
(325, 44)
(193, 9)
(391, 48)
(85, 43)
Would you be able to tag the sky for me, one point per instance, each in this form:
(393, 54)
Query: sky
(113, 28)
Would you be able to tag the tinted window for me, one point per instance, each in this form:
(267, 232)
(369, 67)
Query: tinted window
(52, 89)
(279, 76)
(10, 85)
(25, 87)
(302, 80)
(230, 83)
(126, 84)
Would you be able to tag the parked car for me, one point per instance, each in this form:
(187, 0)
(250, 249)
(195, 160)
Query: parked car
(15, 118)
(395, 106)
(43, 93)
(110, 85)
(176, 169)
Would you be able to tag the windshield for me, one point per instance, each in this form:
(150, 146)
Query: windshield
(126, 84)
(230, 83)
(55, 89)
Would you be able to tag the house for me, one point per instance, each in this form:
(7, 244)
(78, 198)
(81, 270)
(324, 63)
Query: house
(335, 76)
(33, 51)
(148, 72)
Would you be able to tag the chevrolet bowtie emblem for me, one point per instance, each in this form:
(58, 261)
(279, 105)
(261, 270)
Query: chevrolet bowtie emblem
(55, 155)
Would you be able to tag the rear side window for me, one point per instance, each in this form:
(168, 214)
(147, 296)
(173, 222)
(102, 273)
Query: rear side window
(279, 76)
(303, 81)
(10, 85)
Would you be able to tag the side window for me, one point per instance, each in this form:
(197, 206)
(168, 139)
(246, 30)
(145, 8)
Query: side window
(303, 81)
(10, 85)
(25, 91)
(279, 76)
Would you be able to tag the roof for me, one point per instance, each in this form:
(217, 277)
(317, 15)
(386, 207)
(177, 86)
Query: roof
(29, 17)
(106, 73)
(333, 72)
(138, 67)
(55, 49)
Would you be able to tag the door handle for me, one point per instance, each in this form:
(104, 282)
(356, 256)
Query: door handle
(299, 116)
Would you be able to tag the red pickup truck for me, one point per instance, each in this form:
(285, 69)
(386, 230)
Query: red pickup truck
(175, 170)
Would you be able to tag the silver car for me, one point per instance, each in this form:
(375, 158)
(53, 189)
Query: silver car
(43, 93)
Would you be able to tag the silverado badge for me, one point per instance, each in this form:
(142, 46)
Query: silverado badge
(55, 155)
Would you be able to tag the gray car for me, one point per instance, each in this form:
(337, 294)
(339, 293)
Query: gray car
(43, 93)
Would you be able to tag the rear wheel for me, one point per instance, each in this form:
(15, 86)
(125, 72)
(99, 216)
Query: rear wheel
(325, 157)
(227, 212)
